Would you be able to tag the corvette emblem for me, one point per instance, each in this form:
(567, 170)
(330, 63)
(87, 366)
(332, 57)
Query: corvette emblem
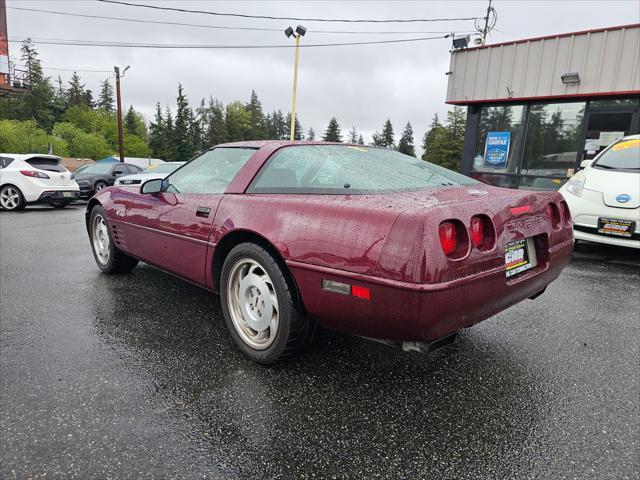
(623, 198)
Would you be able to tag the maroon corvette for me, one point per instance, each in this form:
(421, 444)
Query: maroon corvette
(359, 239)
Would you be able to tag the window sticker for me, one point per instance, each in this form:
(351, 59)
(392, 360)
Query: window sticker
(635, 143)
(496, 149)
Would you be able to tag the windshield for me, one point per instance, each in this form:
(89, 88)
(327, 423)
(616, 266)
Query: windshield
(98, 168)
(330, 169)
(624, 155)
(162, 168)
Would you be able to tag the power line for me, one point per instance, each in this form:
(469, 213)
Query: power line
(66, 69)
(220, 27)
(268, 17)
(89, 43)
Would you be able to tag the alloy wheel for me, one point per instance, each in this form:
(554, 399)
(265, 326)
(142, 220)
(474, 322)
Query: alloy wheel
(253, 304)
(101, 239)
(9, 198)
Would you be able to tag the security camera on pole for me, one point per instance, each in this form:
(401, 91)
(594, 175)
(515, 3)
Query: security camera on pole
(119, 104)
(299, 32)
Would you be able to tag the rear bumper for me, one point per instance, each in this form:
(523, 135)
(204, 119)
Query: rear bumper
(58, 196)
(86, 191)
(420, 312)
(590, 234)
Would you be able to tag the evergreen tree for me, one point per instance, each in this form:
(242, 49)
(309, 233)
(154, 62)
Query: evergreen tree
(311, 134)
(257, 129)
(88, 99)
(59, 104)
(298, 135)
(181, 134)
(195, 130)
(130, 121)
(442, 144)
(456, 121)
(405, 145)
(332, 133)
(276, 126)
(37, 102)
(387, 134)
(156, 134)
(29, 55)
(353, 135)
(360, 140)
(76, 95)
(168, 146)
(105, 99)
(217, 130)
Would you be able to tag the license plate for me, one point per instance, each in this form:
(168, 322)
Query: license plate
(616, 227)
(67, 194)
(519, 256)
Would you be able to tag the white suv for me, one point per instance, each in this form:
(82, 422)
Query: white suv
(35, 178)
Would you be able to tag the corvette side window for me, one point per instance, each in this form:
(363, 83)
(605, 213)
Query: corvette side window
(211, 172)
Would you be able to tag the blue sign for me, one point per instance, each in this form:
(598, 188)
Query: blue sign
(623, 198)
(496, 149)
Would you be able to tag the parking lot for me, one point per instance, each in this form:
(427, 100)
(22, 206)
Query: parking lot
(135, 376)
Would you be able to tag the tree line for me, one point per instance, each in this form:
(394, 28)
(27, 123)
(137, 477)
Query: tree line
(70, 120)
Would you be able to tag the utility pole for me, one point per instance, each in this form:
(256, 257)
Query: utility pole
(119, 103)
(485, 30)
(299, 32)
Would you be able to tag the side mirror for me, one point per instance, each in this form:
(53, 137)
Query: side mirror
(585, 163)
(152, 186)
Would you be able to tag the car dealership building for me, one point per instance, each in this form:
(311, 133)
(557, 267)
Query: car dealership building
(538, 107)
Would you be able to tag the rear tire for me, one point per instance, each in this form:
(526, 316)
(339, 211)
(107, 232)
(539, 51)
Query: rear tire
(107, 256)
(11, 198)
(261, 307)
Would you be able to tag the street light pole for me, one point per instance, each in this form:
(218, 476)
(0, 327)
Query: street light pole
(299, 32)
(119, 108)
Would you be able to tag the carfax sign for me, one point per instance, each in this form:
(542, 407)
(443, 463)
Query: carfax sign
(496, 149)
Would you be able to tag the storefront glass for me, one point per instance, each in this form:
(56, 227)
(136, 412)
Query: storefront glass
(554, 136)
(502, 123)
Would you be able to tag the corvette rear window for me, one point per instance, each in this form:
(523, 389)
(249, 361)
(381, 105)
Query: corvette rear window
(345, 169)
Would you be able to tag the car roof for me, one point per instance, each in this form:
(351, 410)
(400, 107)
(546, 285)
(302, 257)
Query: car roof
(264, 143)
(27, 156)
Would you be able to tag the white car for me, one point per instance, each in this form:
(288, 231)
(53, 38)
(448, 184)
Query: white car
(604, 197)
(35, 178)
(158, 170)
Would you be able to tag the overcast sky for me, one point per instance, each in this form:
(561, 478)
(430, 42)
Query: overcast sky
(360, 85)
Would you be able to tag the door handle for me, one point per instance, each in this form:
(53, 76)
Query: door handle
(203, 211)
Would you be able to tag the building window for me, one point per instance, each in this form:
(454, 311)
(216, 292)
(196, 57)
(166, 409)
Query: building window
(554, 135)
(502, 122)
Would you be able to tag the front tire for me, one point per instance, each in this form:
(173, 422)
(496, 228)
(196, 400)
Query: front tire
(99, 186)
(11, 198)
(260, 305)
(108, 257)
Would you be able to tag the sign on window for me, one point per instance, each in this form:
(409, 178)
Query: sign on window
(496, 149)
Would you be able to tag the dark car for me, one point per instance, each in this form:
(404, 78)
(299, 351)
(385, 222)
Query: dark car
(359, 239)
(93, 178)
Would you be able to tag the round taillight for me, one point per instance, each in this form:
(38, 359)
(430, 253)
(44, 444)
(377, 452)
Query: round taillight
(553, 215)
(477, 231)
(566, 213)
(448, 237)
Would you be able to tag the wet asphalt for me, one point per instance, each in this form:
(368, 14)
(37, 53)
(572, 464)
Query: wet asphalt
(136, 377)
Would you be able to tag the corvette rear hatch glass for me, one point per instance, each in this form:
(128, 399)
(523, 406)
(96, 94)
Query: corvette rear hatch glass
(346, 169)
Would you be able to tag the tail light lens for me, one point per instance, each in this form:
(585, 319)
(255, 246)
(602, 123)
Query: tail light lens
(566, 213)
(34, 174)
(554, 215)
(477, 231)
(448, 237)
